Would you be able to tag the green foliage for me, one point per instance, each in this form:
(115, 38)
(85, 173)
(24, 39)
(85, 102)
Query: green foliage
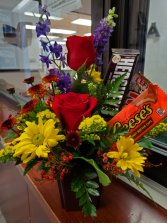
(82, 88)
(103, 178)
(30, 165)
(137, 182)
(9, 136)
(83, 189)
(43, 167)
(145, 143)
(75, 84)
(81, 70)
(32, 114)
(72, 74)
(106, 97)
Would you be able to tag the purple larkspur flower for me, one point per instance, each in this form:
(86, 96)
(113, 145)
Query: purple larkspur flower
(45, 59)
(44, 10)
(64, 84)
(42, 28)
(56, 49)
(100, 41)
(44, 45)
(63, 59)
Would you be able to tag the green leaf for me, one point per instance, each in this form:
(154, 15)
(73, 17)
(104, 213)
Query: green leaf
(75, 84)
(30, 165)
(10, 135)
(72, 74)
(40, 167)
(93, 192)
(32, 114)
(109, 112)
(82, 88)
(18, 162)
(83, 199)
(103, 178)
(81, 191)
(76, 184)
(117, 82)
(92, 184)
(89, 209)
(112, 102)
(113, 95)
(90, 175)
(81, 71)
(145, 143)
(104, 90)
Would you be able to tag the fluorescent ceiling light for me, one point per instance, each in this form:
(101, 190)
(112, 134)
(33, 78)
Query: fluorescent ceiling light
(62, 43)
(62, 31)
(83, 22)
(87, 34)
(50, 37)
(28, 13)
(65, 39)
(30, 27)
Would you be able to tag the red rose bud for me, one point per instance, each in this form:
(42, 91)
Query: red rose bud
(105, 160)
(61, 177)
(27, 116)
(108, 166)
(104, 167)
(160, 164)
(104, 154)
(16, 135)
(51, 178)
(29, 80)
(82, 46)
(18, 130)
(11, 90)
(71, 107)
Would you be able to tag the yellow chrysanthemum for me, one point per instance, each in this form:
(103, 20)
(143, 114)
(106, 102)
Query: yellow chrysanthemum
(95, 75)
(128, 155)
(37, 140)
(161, 127)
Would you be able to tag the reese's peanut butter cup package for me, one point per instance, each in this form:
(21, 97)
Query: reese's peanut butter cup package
(137, 85)
(122, 61)
(146, 111)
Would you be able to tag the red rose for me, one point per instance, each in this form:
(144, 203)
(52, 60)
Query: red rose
(80, 49)
(70, 109)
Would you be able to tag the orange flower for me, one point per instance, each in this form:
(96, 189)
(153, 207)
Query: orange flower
(8, 124)
(37, 90)
(29, 106)
(29, 80)
(50, 78)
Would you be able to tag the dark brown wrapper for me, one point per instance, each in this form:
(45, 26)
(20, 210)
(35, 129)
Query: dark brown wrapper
(122, 61)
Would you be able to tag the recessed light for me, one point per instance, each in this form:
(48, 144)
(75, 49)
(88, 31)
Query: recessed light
(62, 31)
(65, 39)
(87, 34)
(83, 22)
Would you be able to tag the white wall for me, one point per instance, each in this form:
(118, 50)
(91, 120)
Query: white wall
(156, 47)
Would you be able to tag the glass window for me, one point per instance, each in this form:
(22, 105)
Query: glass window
(19, 46)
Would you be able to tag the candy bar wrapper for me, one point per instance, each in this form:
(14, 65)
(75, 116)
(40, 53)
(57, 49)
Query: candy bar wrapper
(122, 61)
(146, 111)
(137, 85)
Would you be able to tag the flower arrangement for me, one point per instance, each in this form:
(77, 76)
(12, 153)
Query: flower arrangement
(64, 127)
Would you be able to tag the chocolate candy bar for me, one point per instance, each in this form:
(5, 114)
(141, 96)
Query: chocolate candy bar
(122, 61)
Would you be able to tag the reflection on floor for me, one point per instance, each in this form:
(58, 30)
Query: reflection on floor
(2, 218)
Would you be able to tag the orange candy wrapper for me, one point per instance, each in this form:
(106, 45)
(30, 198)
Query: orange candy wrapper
(146, 111)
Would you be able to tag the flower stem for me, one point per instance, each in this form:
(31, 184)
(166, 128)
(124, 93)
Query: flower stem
(53, 89)
(16, 99)
(13, 130)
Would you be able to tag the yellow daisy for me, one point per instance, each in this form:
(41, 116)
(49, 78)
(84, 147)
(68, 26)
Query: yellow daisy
(37, 140)
(128, 155)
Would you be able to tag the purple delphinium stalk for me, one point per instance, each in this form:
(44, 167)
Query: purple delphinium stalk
(62, 58)
(44, 45)
(44, 10)
(100, 41)
(45, 59)
(56, 49)
(64, 84)
(42, 28)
